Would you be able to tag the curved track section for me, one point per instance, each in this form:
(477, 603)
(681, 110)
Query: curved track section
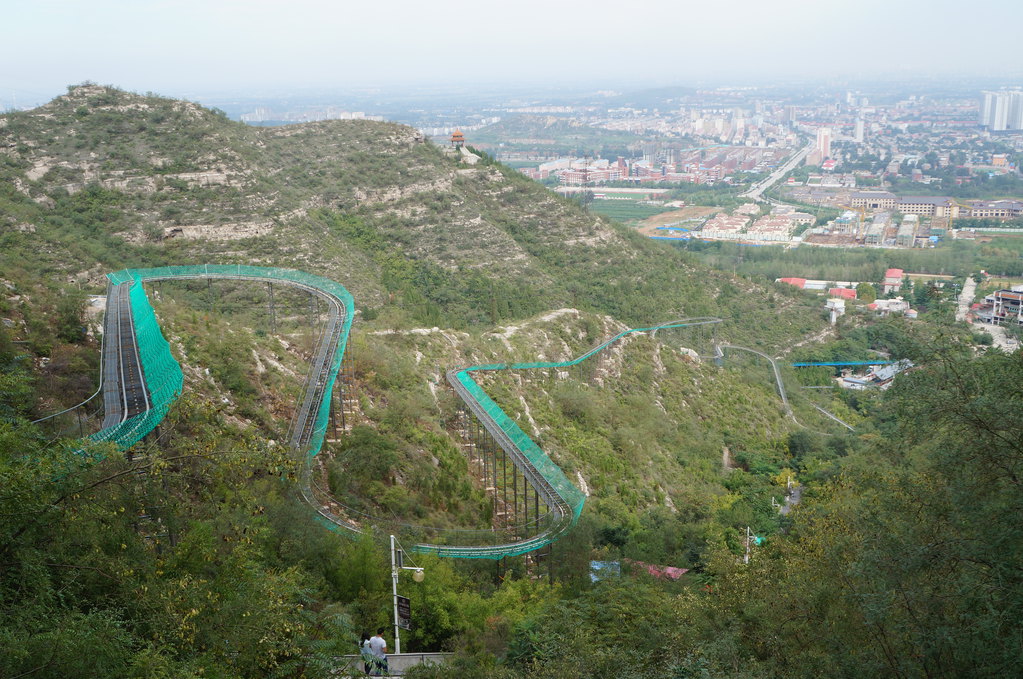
(140, 378)
(561, 495)
(777, 377)
(135, 333)
(780, 384)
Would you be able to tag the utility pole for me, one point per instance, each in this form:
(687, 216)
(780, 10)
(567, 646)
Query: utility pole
(397, 565)
(395, 561)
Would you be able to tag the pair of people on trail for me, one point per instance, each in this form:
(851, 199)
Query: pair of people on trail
(374, 654)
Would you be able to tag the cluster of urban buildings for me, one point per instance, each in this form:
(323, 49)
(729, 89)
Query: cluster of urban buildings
(744, 224)
(265, 114)
(884, 219)
(840, 291)
(882, 307)
(1002, 110)
(882, 203)
(891, 283)
(761, 124)
(921, 139)
(882, 230)
(844, 169)
(875, 219)
(696, 166)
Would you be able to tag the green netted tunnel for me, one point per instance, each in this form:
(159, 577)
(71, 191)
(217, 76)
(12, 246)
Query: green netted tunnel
(561, 495)
(163, 378)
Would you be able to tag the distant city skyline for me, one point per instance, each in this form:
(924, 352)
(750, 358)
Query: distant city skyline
(194, 47)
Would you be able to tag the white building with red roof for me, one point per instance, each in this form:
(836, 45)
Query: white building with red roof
(892, 281)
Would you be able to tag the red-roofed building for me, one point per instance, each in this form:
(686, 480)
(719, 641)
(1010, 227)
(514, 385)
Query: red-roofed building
(798, 282)
(844, 293)
(892, 281)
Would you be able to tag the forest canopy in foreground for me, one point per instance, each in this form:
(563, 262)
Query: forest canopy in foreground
(904, 562)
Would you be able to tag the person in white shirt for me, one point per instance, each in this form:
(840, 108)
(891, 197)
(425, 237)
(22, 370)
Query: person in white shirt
(378, 647)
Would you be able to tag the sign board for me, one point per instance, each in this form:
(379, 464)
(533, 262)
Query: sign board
(404, 612)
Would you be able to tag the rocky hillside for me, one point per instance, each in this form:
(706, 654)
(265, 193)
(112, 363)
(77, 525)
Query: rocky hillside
(101, 179)
(408, 227)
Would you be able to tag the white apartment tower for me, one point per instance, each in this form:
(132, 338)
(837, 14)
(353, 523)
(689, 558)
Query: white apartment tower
(824, 142)
(1002, 110)
(858, 134)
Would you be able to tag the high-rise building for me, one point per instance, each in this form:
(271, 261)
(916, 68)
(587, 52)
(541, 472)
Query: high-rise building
(1015, 112)
(1002, 110)
(824, 142)
(858, 134)
(986, 104)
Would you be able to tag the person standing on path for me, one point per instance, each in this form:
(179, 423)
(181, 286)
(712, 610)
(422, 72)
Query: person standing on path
(378, 647)
(368, 659)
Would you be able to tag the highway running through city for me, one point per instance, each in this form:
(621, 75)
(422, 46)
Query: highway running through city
(758, 189)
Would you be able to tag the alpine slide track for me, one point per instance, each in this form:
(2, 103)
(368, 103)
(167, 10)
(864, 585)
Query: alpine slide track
(140, 379)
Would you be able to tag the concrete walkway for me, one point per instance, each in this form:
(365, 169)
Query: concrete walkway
(966, 298)
(792, 499)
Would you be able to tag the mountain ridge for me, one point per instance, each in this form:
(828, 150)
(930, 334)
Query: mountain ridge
(348, 199)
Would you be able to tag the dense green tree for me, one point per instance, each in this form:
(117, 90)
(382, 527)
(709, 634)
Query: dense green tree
(908, 564)
(866, 292)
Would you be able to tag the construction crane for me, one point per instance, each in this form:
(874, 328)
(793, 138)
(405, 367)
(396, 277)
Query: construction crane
(860, 232)
(951, 217)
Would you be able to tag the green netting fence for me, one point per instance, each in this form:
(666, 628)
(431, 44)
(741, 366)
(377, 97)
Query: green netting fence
(164, 380)
(163, 374)
(551, 472)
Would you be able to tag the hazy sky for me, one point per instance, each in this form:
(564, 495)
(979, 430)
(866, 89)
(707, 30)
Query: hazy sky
(178, 47)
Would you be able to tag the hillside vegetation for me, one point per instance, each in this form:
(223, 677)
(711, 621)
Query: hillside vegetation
(195, 557)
